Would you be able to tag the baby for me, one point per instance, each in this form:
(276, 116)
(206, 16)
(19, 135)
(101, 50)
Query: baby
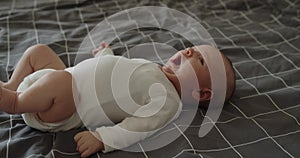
(41, 89)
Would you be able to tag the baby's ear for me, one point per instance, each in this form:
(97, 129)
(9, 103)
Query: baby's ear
(202, 95)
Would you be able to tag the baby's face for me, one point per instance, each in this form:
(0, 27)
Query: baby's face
(193, 62)
(184, 63)
(188, 66)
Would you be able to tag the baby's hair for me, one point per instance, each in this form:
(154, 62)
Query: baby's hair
(230, 92)
(230, 87)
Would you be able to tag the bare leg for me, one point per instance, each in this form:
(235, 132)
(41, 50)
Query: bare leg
(50, 97)
(35, 58)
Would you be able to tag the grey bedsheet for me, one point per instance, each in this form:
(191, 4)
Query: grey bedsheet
(260, 37)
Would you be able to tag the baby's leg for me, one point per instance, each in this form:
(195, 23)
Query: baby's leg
(35, 58)
(50, 97)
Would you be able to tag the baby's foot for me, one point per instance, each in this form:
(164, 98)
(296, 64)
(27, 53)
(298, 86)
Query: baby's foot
(102, 46)
(8, 100)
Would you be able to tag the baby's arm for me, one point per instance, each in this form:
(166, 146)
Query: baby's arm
(107, 139)
(134, 129)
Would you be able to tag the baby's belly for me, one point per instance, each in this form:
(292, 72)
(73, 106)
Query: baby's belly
(92, 92)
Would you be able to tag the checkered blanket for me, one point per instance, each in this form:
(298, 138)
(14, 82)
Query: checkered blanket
(260, 37)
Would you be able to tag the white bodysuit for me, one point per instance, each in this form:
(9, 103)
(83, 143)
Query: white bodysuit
(123, 100)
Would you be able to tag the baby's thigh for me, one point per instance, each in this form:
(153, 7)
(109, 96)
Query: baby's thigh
(58, 87)
(41, 57)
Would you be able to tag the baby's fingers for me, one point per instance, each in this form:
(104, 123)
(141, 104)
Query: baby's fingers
(82, 148)
(78, 136)
(85, 150)
(104, 44)
(86, 153)
(78, 140)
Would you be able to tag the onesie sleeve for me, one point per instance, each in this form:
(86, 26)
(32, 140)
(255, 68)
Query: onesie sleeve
(134, 129)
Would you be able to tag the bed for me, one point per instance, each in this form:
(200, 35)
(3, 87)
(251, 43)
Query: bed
(261, 38)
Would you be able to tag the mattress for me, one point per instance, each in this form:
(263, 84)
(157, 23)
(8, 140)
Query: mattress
(261, 38)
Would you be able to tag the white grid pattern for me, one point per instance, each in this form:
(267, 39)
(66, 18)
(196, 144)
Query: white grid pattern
(218, 24)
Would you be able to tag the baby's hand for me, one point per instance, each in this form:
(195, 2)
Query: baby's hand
(102, 46)
(87, 143)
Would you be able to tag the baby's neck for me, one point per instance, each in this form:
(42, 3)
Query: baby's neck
(173, 79)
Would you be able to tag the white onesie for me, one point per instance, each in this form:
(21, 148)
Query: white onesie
(102, 92)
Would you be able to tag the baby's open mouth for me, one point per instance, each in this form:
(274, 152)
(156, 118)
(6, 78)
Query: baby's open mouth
(173, 64)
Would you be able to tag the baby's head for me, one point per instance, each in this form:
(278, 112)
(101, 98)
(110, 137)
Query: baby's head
(193, 62)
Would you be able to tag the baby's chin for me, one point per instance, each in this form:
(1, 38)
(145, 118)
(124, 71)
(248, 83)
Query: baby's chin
(167, 69)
